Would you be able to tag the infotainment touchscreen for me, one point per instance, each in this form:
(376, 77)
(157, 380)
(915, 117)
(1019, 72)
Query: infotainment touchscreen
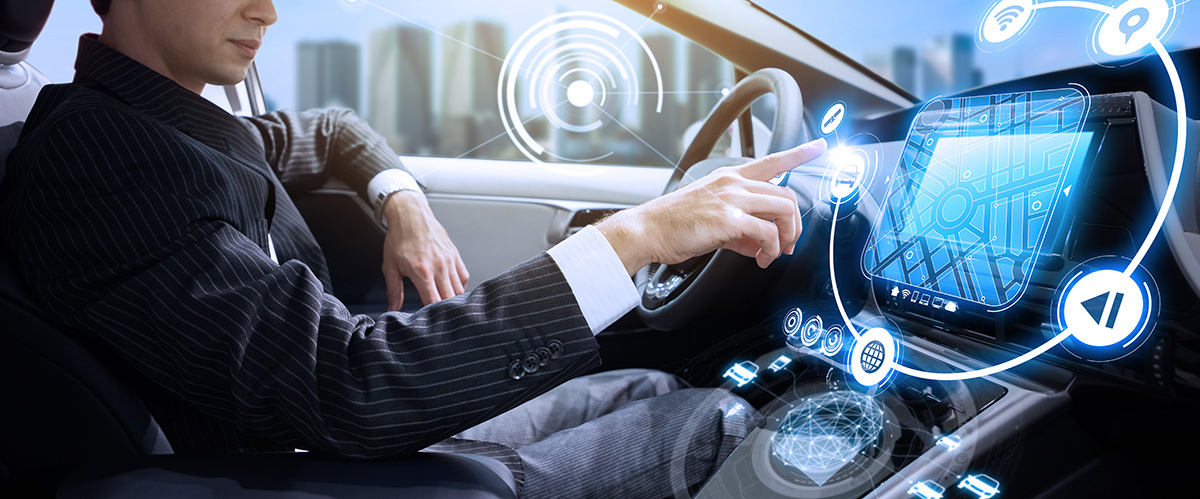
(981, 182)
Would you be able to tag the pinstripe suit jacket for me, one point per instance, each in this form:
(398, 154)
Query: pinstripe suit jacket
(138, 213)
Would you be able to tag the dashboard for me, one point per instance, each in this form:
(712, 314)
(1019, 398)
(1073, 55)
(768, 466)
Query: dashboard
(1002, 230)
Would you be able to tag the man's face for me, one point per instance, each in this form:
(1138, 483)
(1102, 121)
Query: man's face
(212, 41)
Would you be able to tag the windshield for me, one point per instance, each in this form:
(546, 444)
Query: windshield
(929, 47)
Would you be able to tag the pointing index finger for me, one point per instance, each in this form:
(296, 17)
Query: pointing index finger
(775, 164)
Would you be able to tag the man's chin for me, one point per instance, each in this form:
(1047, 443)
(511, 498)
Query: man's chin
(232, 76)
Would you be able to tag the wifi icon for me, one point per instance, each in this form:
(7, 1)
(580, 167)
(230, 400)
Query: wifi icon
(1007, 15)
(1006, 20)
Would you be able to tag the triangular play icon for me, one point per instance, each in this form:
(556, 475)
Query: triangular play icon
(1095, 306)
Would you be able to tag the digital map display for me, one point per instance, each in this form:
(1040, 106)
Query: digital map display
(978, 182)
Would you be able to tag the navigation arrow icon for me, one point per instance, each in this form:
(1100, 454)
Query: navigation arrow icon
(1067, 191)
(1095, 306)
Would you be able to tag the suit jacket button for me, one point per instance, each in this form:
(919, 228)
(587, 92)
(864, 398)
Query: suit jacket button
(531, 362)
(556, 349)
(543, 353)
(515, 371)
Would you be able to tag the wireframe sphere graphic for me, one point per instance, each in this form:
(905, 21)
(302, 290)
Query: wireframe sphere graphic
(826, 431)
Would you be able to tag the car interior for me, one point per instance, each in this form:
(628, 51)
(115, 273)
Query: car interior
(1062, 423)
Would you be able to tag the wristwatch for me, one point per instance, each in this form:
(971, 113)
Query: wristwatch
(385, 184)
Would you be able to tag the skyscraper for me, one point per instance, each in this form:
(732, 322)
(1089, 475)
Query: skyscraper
(400, 87)
(936, 71)
(706, 75)
(948, 65)
(469, 115)
(962, 60)
(327, 74)
(904, 68)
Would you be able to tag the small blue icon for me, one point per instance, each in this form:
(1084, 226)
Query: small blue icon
(1007, 15)
(950, 442)
(779, 363)
(982, 485)
(1133, 21)
(742, 373)
(927, 490)
(734, 410)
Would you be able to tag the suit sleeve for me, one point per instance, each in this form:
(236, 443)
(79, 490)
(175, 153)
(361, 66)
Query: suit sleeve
(306, 147)
(196, 306)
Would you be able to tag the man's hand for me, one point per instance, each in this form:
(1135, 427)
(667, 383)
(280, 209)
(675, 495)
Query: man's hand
(732, 208)
(418, 247)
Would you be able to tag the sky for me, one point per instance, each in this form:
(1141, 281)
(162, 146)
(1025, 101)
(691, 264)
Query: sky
(1057, 39)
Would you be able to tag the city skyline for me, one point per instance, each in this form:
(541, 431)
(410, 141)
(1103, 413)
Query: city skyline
(945, 64)
(440, 98)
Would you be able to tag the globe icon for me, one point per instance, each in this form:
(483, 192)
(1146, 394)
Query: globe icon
(872, 356)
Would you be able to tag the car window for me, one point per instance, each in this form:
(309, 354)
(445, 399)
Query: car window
(929, 47)
(426, 75)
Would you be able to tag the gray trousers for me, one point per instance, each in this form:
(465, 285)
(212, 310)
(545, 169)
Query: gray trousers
(633, 433)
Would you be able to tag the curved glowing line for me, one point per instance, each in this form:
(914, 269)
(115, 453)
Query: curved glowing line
(1177, 168)
(595, 75)
(837, 297)
(1074, 3)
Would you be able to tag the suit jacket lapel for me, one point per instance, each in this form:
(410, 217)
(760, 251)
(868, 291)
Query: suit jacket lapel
(161, 98)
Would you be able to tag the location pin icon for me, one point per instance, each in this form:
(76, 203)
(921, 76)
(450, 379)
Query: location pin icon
(1133, 21)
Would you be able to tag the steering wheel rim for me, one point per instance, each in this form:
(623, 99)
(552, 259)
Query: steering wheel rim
(675, 293)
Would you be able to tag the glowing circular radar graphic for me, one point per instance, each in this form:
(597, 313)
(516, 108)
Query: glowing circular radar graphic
(571, 71)
(791, 323)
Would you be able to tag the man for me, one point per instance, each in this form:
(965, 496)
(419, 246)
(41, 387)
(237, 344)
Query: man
(149, 220)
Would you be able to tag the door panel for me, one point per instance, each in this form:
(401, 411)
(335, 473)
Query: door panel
(500, 213)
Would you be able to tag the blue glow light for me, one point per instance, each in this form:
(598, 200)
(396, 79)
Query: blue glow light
(779, 363)
(927, 490)
(742, 373)
(982, 485)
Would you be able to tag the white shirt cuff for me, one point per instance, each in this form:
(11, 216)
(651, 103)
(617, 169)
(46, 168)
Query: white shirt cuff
(597, 277)
(387, 182)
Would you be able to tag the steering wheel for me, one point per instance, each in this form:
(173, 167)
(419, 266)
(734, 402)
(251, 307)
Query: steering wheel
(677, 293)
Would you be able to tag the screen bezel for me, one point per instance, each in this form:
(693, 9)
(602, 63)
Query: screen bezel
(1052, 239)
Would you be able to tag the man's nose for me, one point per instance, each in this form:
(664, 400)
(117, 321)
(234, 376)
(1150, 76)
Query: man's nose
(261, 12)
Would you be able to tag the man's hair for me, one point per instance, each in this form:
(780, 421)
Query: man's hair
(101, 6)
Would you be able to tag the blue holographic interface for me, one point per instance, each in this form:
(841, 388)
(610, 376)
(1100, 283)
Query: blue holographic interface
(980, 182)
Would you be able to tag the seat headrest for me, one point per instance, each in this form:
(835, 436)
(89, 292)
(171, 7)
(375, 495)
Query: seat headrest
(21, 21)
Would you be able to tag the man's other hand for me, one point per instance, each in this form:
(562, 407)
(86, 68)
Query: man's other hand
(418, 247)
(733, 208)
